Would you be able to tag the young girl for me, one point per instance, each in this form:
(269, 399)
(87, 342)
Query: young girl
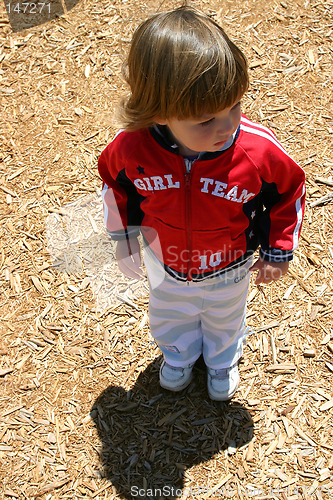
(205, 187)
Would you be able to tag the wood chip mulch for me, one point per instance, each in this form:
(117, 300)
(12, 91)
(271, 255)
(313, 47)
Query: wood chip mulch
(81, 411)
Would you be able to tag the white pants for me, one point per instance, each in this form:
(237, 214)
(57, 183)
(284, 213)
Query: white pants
(190, 319)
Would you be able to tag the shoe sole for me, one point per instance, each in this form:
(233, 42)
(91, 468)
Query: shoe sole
(217, 398)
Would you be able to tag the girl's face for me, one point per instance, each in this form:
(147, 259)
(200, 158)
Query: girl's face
(208, 133)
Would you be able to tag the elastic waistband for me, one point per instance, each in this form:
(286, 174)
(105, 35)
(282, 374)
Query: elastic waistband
(157, 272)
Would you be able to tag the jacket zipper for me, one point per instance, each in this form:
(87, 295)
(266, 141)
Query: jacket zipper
(188, 221)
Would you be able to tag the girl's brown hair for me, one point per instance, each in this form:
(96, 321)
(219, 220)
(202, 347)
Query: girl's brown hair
(181, 65)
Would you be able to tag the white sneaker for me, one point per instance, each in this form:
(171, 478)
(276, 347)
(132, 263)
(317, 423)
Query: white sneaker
(175, 378)
(222, 384)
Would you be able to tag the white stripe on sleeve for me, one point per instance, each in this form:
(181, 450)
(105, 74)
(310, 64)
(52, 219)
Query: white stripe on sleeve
(299, 219)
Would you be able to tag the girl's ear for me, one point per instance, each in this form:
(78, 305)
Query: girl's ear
(160, 121)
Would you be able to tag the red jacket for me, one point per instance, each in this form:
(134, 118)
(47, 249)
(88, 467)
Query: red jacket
(214, 217)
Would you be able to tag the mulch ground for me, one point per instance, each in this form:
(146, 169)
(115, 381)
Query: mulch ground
(82, 414)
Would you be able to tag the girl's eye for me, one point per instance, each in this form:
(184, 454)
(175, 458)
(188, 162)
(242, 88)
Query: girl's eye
(204, 124)
(236, 106)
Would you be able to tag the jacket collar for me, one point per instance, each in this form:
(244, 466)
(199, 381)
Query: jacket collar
(162, 135)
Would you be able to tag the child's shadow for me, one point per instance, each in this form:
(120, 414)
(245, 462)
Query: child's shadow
(150, 437)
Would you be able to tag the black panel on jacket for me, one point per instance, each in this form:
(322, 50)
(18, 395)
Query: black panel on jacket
(134, 200)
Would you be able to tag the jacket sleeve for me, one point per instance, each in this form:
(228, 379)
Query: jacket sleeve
(121, 201)
(283, 198)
